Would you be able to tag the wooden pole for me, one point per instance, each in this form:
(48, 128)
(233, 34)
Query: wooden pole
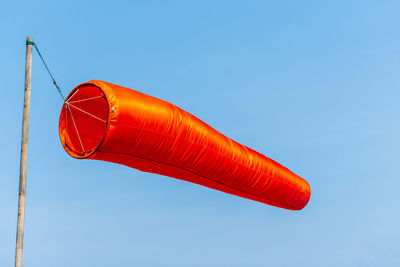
(24, 155)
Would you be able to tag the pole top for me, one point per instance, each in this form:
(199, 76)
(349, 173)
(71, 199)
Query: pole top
(29, 41)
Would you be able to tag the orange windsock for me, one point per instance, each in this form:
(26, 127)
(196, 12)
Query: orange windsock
(108, 122)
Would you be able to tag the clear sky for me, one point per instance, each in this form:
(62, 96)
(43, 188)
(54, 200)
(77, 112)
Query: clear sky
(312, 84)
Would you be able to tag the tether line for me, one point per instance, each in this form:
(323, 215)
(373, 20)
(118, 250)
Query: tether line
(47, 68)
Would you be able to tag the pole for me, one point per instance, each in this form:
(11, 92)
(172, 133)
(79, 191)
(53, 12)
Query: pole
(24, 155)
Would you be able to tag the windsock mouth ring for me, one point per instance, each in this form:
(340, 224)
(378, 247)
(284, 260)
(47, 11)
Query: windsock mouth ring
(84, 120)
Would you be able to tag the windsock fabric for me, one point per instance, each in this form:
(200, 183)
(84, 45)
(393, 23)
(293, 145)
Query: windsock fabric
(108, 122)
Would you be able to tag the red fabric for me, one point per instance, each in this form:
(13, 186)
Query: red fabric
(108, 122)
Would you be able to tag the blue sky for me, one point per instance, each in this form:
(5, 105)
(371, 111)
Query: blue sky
(312, 84)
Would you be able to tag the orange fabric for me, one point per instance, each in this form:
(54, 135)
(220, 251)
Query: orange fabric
(108, 122)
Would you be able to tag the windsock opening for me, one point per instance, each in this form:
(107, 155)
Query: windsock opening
(84, 120)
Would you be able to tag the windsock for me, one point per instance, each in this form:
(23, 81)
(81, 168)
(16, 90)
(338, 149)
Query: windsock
(107, 122)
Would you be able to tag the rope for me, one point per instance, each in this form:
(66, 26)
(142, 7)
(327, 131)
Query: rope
(69, 104)
(72, 95)
(86, 99)
(76, 129)
(40, 55)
